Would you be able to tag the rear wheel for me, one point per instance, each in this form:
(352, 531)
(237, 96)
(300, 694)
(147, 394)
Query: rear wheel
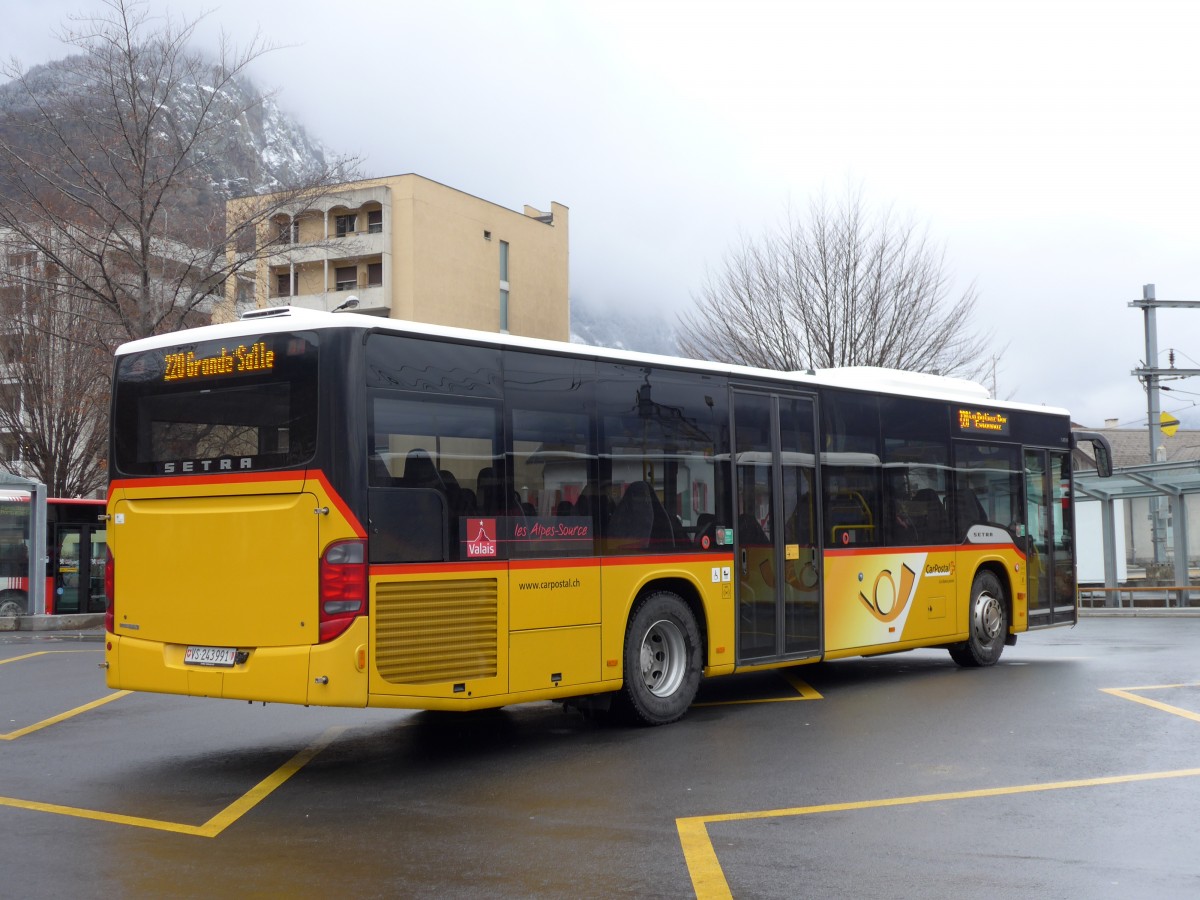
(12, 603)
(662, 660)
(988, 624)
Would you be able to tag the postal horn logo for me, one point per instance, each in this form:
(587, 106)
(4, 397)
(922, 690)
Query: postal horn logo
(886, 602)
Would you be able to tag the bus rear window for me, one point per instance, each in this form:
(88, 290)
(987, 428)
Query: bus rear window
(245, 404)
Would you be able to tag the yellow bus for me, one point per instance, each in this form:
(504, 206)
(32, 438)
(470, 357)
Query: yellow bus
(339, 509)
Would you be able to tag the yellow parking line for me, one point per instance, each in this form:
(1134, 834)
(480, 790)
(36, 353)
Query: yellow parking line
(61, 717)
(708, 879)
(213, 826)
(260, 791)
(803, 689)
(1127, 694)
(46, 652)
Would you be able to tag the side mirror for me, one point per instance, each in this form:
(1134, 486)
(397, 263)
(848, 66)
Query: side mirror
(1101, 450)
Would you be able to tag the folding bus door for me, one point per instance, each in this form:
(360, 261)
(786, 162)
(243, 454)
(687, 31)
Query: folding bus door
(1051, 561)
(778, 560)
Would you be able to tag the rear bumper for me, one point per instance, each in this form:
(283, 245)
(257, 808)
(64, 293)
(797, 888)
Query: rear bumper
(322, 674)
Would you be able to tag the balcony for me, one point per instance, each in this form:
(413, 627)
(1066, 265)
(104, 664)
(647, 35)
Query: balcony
(360, 243)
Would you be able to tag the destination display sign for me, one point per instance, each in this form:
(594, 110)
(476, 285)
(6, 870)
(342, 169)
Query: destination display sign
(982, 421)
(187, 366)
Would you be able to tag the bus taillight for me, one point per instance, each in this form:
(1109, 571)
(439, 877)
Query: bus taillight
(343, 578)
(110, 607)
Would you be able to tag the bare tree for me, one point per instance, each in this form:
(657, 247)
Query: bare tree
(842, 287)
(54, 396)
(106, 169)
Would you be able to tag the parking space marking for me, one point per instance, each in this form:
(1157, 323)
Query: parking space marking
(46, 653)
(213, 826)
(708, 878)
(62, 717)
(1128, 694)
(804, 691)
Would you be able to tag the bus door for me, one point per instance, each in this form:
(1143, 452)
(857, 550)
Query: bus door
(77, 568)
(777, 555)
(1050, 547)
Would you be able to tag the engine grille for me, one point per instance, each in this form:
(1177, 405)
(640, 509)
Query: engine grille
(428, 632)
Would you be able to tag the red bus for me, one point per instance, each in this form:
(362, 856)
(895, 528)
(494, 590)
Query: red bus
(75, 555)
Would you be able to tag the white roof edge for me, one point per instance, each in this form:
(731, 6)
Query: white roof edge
(866, 378)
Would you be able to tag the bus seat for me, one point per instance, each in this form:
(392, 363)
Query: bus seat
(968, 509)
(378, 474)
(633, 519)
(595, 504)
(640, 520)
(928, 517)
(419, 471)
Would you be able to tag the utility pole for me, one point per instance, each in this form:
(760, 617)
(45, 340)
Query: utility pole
(1158, 537)
(1150, 374)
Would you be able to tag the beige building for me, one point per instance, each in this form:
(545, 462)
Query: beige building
(411, 248)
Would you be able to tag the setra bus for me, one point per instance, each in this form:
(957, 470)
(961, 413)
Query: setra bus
(338, 509)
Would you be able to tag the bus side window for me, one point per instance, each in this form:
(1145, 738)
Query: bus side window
(422, 476)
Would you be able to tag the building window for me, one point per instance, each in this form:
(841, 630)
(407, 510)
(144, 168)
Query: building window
(375, 221)
(345, 278)
(374, 274)
(10, 447)
(284, 285)
(345, 224)
(289, 232)
(504, 286)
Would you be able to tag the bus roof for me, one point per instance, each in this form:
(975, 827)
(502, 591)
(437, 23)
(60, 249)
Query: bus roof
(861, 378)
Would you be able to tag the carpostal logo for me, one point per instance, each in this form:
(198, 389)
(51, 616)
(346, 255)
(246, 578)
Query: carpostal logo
(483, 545)
(940, 569)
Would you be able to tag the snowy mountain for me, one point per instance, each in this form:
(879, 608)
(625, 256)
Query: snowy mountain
(259, 147)
(622, 329)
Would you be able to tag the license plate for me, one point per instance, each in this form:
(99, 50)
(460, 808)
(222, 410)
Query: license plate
(210, 656)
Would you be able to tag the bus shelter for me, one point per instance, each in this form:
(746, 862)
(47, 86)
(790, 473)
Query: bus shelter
(37, 539)
(1173, 480)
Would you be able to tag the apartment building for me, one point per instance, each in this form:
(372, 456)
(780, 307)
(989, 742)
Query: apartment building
(411, 248)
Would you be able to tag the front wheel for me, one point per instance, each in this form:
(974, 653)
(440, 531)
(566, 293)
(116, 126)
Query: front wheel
(988, 624)
(662, 660)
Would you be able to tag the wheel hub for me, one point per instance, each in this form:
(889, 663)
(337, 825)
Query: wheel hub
(663, 658)
(989, 617)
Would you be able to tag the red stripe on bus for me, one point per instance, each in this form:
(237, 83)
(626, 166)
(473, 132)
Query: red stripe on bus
(336, 499)
(299, 476)
(198, 480)
(447, 568)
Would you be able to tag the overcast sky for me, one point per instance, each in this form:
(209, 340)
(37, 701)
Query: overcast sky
(1053, 147)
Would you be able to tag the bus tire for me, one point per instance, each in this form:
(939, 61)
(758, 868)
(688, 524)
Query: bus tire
(988, 622)
(662, 661)
(12, 603)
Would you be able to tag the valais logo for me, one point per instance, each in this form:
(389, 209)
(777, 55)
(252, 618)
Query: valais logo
(484, 542)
